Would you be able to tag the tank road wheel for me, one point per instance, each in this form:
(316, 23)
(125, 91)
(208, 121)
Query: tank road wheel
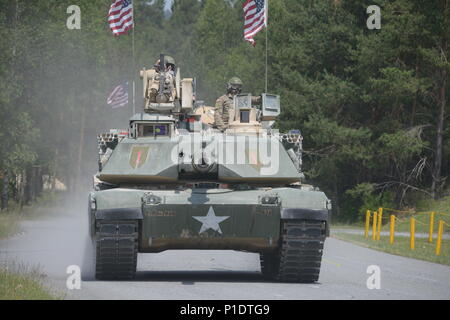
(300, 253)
(116, 250)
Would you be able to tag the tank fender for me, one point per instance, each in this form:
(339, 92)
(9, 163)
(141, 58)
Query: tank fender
(110, 214)
(300, 213)
(307, 214)
(113, 214)
(119, 214)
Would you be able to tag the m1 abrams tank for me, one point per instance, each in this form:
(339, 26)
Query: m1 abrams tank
(172, 181)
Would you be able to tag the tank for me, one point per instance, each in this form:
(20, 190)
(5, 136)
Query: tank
(172, 181)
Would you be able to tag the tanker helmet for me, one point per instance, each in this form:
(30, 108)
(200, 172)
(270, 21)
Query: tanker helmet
(234, 84)
(168, 61)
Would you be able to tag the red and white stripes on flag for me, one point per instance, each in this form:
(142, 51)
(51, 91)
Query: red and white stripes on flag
(255, 17)
(119, 96)
(120, 16)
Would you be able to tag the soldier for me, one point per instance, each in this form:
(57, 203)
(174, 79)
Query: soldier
(169, 64)
(169, 87)
(225, 103)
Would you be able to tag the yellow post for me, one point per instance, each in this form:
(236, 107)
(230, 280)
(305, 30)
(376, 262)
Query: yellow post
(392, 229)
(380, 216)
(366, 230)
(374, 227)
(430, 237)
(439, 238)
(412, 231)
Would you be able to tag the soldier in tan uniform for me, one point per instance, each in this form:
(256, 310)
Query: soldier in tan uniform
(225, 104)
(169, 83)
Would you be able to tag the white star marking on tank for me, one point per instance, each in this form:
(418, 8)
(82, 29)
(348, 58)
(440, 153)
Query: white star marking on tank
(210, 221)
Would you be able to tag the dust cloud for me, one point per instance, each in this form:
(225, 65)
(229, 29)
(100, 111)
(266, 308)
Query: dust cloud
(54, 242)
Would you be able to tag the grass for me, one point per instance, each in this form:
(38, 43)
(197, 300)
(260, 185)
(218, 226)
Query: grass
(9, 224)
(428, 204)
(22, 285)
(340, 225)
(423, 249)
(422, 224)
(423, 206)
(10, 219)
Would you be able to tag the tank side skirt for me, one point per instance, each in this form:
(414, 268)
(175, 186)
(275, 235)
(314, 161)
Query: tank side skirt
(307, 214)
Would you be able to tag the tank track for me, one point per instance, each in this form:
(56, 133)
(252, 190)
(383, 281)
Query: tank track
(116, 249)
(299, 255)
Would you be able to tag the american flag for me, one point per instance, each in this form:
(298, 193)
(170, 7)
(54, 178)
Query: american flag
(120, 16)
(255, 18)
(119, 96)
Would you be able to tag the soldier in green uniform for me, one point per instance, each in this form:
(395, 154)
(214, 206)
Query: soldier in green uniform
(225, 103)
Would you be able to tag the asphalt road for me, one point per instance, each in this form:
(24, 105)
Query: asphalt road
(52, 244)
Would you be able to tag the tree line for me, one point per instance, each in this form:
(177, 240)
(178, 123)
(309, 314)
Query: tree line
(372, 105)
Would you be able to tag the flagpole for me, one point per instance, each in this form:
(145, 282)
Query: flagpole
(134, 63)
(267, 31)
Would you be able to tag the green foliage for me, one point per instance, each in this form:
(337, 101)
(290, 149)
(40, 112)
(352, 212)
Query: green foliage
(366, 101)
(362, 198)
(400, 146)
(442, 205)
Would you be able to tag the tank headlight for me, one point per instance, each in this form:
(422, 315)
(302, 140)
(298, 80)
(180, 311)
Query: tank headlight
(328, 204)
(269, 200)
(150, 199)
(93, 203)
